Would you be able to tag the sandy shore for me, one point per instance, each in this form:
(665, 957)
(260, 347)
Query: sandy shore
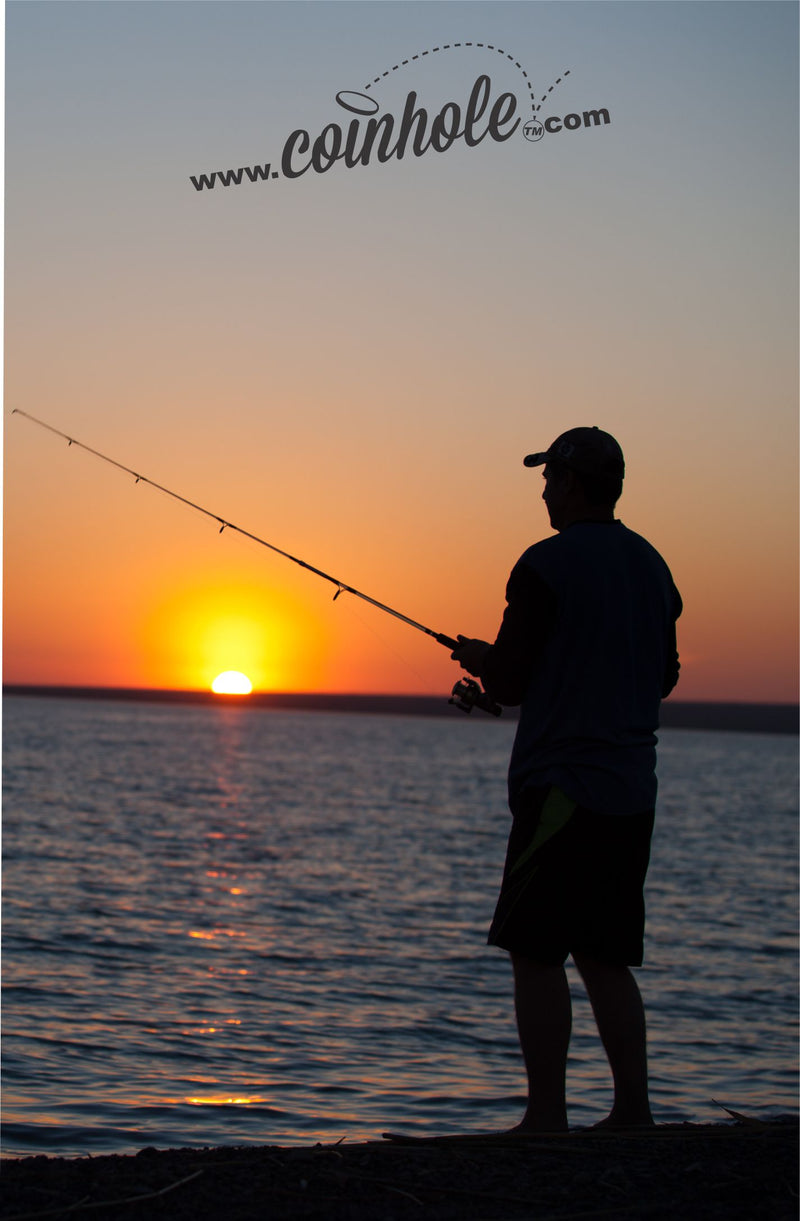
(739, 1172)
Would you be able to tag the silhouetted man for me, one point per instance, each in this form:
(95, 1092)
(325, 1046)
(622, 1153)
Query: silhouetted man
(587, 648)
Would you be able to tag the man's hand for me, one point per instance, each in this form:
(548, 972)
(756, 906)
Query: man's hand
(470, 654)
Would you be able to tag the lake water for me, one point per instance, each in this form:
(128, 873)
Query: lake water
(226, 925)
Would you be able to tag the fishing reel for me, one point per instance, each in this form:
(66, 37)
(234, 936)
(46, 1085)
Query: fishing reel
(467, 694)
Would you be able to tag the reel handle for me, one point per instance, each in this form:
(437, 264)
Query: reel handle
(467, 694)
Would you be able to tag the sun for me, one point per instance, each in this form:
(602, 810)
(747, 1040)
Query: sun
(231, 682)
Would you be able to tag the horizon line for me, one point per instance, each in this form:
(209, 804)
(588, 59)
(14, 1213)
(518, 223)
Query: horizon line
(743, 715)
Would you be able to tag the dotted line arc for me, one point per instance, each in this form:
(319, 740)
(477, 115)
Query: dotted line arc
(450, 46)
(545, 95)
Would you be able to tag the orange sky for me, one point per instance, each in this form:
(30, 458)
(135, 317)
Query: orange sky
(353, 364)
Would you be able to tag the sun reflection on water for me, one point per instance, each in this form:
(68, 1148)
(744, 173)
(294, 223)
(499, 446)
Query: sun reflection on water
(213, 934)
(213, 1100)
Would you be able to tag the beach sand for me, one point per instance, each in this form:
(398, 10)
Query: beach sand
(743, 1171)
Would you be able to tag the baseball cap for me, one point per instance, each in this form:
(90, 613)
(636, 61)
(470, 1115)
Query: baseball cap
(590, 451)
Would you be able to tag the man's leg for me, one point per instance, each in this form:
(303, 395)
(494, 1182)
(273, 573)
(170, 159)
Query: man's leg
(619, 1013)
(544, 1023)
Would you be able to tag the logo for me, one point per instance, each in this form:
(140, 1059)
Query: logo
(361, 135)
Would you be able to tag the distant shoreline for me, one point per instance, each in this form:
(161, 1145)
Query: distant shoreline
(741, 717)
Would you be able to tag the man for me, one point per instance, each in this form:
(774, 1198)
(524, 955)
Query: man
(587, 648)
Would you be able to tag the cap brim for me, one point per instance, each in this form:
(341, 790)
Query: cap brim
(536, 459)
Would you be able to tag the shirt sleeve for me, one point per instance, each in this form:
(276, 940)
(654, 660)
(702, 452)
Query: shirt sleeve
(527, 622)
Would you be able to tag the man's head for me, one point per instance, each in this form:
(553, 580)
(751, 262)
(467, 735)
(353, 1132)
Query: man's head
(583, 471)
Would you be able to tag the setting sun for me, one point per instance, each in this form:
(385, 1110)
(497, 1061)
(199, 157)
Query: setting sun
(232, 682)
(194, 629)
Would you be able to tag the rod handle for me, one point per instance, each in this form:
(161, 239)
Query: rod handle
(447, 641)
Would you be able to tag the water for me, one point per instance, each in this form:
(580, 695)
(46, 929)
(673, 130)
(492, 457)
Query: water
(232, 925)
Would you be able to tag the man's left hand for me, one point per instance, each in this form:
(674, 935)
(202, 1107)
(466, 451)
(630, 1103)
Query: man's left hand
(470, 654)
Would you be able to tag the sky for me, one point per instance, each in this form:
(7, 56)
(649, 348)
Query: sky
(351, 360)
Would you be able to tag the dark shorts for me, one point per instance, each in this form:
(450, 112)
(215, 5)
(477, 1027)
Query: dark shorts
(573, 882)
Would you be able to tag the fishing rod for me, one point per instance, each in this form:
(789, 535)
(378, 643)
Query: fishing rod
(466, 693)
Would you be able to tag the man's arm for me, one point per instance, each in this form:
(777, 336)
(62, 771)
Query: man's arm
(505, 667)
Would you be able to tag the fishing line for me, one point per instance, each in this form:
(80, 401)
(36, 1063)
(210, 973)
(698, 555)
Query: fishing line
(385, 643)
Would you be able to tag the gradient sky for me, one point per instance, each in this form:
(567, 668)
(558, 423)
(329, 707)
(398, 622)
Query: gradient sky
(352, 364)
